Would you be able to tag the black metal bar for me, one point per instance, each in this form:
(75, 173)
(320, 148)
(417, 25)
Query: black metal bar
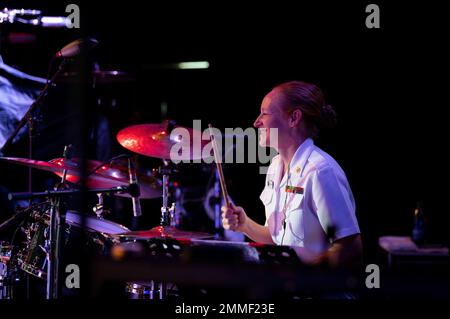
(28, 195)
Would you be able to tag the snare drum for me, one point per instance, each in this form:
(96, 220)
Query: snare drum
(97, 241)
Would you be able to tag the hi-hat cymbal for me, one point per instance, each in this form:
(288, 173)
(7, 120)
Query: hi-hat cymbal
(104, 176)
(165, 232)
(154, 140)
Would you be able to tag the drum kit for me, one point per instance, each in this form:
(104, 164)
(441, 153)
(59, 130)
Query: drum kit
(53, 234)
(49, 234)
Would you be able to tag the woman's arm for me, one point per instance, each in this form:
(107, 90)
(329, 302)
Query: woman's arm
(235, 218)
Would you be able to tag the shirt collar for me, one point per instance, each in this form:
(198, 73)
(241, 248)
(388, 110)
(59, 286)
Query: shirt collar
(300, 157)
(297, 164)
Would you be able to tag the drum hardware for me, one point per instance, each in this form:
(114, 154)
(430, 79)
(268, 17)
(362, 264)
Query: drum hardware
(153, 290)
(69, 50)
(141, 291)
(46, 235)
(101, 175)
(28, 118)
(57, 211)
(53, 245)
(33, 257)
(124, 189)
(5, 257)
(173, 215)
(152, 247)
(156, 140)
(165, 210)
(165, 228)
(99, 208)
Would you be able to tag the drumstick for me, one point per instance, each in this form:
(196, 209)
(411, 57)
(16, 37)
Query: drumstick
(223, 186)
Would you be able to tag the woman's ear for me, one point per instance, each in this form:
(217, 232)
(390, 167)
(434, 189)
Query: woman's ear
(294, 119)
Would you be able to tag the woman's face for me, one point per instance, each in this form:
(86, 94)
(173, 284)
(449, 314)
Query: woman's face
(270, 118)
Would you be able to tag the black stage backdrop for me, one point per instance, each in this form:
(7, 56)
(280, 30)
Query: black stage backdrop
(383, 83)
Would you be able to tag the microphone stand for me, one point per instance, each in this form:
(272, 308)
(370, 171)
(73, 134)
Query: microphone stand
(165, 222)
(28, 117)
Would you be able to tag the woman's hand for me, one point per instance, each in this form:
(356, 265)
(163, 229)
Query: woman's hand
(234, 218)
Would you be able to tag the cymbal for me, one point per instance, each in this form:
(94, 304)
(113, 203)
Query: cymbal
(111, 175)
(165, 232)
(42, 165)
(97, 76)
(153, 140)
(105, 176)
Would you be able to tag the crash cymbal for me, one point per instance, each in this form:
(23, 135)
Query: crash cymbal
(154, 140)
(104, 176)
(46, 166)
(165, 232)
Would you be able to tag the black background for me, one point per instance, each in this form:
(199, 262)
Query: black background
(384, 84)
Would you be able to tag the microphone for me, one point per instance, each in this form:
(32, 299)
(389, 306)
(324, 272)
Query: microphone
(74, 48)
(134, 186)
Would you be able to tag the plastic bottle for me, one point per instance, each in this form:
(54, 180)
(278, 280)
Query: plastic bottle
(418, 232)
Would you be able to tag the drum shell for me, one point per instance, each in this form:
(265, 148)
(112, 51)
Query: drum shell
(77, 243)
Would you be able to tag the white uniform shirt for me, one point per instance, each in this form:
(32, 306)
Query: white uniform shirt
(318, 197)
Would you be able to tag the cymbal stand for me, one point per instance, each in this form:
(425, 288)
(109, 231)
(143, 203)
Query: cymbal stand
(99, 208)
(159, 289)
(166, 211)
(53, 246)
